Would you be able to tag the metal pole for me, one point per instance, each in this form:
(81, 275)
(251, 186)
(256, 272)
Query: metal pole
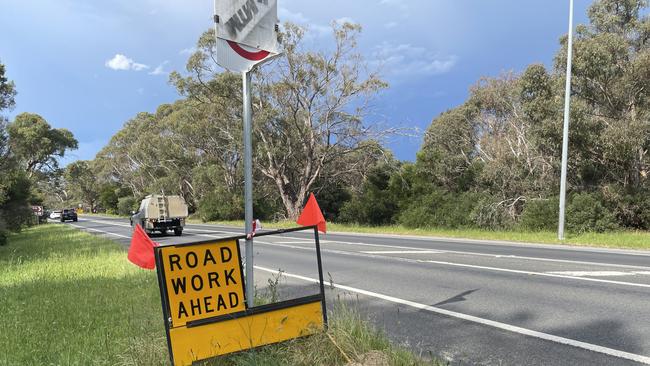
(565, 138)
(248, 186)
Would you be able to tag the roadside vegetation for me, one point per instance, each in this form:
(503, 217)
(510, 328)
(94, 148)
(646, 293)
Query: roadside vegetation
(70, 298)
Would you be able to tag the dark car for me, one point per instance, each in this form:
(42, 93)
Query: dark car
(68, 215)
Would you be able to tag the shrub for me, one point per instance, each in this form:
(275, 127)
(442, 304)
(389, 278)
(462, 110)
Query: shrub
(125, 205)
(440, 209)
(221, 205)
(632, 210)
(487, 214)
(540, 214)
(587, 213)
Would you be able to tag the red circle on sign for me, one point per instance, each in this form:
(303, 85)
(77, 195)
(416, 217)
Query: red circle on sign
(251, 56)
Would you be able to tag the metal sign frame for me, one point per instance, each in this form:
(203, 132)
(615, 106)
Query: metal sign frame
(249, 311)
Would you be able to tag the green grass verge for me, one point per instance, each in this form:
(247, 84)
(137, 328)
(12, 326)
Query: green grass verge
(70, 298)
(616, 239)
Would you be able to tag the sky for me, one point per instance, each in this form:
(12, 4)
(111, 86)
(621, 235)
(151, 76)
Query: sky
(90, 65)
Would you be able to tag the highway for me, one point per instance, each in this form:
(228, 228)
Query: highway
(469, 302)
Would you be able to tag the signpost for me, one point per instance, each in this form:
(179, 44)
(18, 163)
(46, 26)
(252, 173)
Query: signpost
(246, 36)
(37, 210)
(203, 302)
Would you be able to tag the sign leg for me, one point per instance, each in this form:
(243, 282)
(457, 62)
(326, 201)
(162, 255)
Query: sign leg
(248, 186)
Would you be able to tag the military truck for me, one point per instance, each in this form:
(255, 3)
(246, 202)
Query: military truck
(161, 213)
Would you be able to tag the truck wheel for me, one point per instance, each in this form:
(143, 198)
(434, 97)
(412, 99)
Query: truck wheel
(75, 220)
(178, 231)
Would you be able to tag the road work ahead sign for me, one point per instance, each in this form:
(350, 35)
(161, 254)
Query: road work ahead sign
(246, 33)
(249, 22)
(204, 304)
(203, 281)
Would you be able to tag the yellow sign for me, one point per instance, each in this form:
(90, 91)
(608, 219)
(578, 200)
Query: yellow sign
(228, 336)
(206, 315)
(203, 281)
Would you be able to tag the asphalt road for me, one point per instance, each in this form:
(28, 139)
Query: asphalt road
(471, 302)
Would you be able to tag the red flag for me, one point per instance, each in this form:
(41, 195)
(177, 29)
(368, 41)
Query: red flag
(312, 215)
(141, 250)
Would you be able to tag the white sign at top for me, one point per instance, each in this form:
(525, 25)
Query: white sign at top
(249, 22)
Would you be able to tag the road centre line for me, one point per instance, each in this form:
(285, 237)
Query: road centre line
(404, 252)
(187, 229)
(474, 319)
(494, 255)
(423, 249)
(100, 231)
(599, 273)
(496, 269)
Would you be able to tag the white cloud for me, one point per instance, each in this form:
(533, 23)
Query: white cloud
(121, 62)
(344, 20)
(408, 60)
(314, 30)
(159, 70)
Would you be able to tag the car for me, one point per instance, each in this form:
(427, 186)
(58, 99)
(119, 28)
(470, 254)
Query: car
(69, 214)
(55, 215)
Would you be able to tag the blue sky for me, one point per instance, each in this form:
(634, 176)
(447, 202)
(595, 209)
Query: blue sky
(90, 65)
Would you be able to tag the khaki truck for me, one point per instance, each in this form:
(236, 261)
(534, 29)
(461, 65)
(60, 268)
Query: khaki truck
(161, 213)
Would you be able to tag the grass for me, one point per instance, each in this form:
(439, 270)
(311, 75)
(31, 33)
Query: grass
(70, 298)
(616, 239)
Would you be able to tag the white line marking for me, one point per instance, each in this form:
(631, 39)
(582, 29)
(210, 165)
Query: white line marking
(106, 223)
(493, 255)
(100, 231)
(292, 242)
(497, 269)
(541, 274)
(592, 273)
(404, 252)
(474, 319)
(424, 249)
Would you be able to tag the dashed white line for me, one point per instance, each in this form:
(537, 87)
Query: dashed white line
(475, 319)
(408, 248)
(598, 273)
(404, 252)
(100, 231)
(496, 269)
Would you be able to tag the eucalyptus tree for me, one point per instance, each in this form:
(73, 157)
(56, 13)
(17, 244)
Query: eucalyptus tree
(36, 145)
(312, 112)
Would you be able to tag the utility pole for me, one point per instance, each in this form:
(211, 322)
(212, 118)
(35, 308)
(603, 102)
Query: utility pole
(565, 138)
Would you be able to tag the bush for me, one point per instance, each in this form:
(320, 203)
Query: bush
(440, 209)
(540, 214)
(125, 205)
(221, 205)
(632, 210)
(586, 213)
(375, 205)
(489, 215)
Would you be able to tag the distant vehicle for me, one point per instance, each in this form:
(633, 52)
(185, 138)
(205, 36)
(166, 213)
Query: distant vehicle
(69, 214)
(55, 215)
(161, 213)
